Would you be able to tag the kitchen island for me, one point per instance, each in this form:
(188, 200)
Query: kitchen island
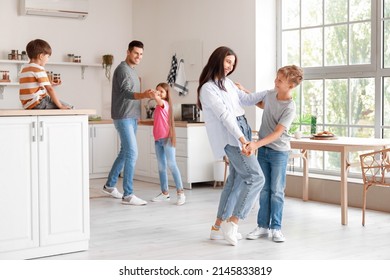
(44, 182)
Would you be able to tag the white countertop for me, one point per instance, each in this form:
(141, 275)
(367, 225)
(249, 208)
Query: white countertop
(57, 112)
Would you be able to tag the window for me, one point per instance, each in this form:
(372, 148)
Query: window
(344, 48)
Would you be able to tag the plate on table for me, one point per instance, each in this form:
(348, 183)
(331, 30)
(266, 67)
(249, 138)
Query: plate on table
(324, 136)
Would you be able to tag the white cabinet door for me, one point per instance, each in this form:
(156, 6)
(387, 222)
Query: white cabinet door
(103, 148)
(142, 167)
(18, 184)
(63, 179)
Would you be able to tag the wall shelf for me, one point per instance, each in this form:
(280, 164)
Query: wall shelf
(19, 64)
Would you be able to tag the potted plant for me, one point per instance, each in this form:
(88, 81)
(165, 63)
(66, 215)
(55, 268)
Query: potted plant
(107, 63)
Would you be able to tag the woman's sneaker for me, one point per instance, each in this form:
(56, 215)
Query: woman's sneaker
(181, 199)
(112, 192)
(161, 197)
(230, 231)
(257, 233)
(216, 234)
(277, 236)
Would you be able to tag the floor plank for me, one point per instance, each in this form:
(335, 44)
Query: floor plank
(164, 231)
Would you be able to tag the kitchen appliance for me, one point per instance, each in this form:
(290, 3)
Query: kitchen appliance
(190, 113)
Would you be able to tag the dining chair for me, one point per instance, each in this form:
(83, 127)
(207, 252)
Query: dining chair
(375, 168)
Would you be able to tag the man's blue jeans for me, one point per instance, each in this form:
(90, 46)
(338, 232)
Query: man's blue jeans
(127, 157)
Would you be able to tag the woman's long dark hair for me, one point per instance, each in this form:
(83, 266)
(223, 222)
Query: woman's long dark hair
(214, 69)
(172, 132)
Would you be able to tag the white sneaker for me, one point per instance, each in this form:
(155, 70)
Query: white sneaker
(257, 233)
(230, 230)
(216, 234)
(133, 200)
(277, 236)
(181, 199)
(161, 197)
(112, 191)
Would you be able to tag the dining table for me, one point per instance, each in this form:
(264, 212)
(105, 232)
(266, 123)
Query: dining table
(342, 145)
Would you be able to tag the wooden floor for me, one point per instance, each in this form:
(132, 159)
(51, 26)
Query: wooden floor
(160, 231)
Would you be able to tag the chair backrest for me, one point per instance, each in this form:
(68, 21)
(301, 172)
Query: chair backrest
(374, 166)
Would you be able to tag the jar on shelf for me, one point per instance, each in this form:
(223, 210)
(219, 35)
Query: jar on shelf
(50, 76)
(77, 59)
(24, 55)
(4, 75)
(56, 78)
(14, 54)
(70, 57)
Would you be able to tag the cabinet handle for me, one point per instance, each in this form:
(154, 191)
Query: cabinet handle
(94, 132)
(41, 131)
(33, 130)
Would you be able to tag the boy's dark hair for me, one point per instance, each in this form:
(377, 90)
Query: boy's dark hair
(37, 47)
(135, 43)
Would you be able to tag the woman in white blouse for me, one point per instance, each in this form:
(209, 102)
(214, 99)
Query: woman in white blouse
(229, 134)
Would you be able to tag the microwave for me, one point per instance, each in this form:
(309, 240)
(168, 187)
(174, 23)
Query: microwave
(190, 113)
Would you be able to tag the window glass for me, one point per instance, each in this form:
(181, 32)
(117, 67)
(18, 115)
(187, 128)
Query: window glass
(386, 101)
(360, 43)
(336, 11)
(290, 14)
(290, 48)
(362, 101)
(311, 13)
(311, 47)
(336, 45)
(386, 44)
(360, 10)
(336, 101)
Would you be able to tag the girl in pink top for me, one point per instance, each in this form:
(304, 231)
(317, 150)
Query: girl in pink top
(165, 142)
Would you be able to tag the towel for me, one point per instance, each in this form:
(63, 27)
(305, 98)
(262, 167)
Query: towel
(180, 84)
(172, 72)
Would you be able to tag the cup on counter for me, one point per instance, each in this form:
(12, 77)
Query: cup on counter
(298, 134)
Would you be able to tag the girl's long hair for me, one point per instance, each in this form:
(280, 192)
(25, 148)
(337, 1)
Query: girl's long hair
(214, 69)
(172, 132)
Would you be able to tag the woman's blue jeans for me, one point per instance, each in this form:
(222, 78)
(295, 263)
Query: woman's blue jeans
(166, 157)
(127, 157)
(274, 166)
(244, 182)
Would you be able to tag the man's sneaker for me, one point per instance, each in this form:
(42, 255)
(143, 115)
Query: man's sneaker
(161, 197)
(133, 200)
(257, 233)
(217, 234)
(181, 199)
(112, 191)
(230, 230)
(277, 236)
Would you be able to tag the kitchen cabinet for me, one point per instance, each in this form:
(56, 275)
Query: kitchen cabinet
(44, 185)
(144, 141)
(103, 148)
(193, 155)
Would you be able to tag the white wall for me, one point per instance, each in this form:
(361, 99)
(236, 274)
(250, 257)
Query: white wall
(107, 29)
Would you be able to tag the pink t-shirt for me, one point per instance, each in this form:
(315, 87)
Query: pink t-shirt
(161, 121)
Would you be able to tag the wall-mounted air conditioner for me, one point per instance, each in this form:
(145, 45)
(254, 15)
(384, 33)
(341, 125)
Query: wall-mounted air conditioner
(55, 8)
